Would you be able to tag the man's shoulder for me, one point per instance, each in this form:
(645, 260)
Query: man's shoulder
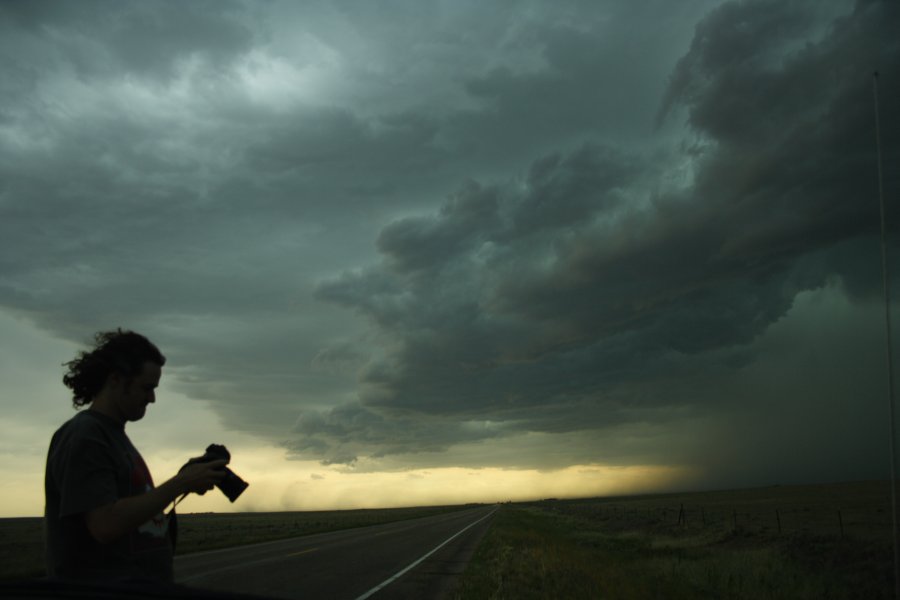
(83, 424)
(81, 420)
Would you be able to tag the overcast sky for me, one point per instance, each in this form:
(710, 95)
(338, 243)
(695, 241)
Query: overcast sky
(394, 250)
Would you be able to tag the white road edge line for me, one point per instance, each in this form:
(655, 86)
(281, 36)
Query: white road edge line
(400, 574)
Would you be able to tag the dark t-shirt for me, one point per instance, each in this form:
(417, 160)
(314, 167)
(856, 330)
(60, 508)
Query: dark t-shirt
(92, 463)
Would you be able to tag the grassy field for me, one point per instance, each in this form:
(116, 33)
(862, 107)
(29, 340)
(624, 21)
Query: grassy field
(794, 542)
(22, 542)
(834, 542)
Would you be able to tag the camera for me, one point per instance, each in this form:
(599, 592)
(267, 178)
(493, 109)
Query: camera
(232, 485)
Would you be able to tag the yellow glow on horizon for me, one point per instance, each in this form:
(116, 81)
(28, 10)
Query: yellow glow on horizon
(278, 484)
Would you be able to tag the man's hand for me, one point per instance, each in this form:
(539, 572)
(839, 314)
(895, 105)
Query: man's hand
(200, 477)
(108, 523)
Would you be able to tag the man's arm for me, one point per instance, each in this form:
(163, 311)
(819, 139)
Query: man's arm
(110, 522)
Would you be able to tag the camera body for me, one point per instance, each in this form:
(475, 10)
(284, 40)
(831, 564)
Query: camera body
(232, 485)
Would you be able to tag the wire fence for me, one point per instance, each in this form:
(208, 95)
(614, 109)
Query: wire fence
(860, 510)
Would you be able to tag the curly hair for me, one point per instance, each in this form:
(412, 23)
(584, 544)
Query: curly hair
(123, 352)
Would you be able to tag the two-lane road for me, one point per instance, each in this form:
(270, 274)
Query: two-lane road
(418, 558)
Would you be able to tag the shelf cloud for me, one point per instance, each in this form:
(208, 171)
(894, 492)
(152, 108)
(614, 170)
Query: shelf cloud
(440, 235)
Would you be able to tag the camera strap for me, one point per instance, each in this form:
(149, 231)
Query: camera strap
(179, 499)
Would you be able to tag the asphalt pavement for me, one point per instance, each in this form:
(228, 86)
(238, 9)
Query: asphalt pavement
(417, 558)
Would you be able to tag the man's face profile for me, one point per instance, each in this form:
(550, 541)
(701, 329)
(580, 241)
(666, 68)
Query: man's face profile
(133, 395)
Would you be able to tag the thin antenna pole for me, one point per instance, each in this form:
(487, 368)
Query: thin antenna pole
(890, 358)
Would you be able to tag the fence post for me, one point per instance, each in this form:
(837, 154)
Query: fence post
(681, 515)
(734, 518)
(778, 518)
(841, 523)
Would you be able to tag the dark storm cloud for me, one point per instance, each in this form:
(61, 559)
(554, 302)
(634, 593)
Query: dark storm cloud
(544, 304)
(146, 39)
(596, 70)
(193, 170)
(157, 172)
(359, 430)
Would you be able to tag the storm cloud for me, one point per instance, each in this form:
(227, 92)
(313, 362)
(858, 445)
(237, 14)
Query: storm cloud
(535, 302)
(447, 235)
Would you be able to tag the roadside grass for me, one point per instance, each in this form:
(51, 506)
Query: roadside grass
(529, 553)
(594, 549)
(22, 541)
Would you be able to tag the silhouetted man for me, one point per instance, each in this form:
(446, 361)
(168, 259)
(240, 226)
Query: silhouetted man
(104, 517)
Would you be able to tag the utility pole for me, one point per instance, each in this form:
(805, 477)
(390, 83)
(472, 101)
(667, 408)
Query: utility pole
(890, 360)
